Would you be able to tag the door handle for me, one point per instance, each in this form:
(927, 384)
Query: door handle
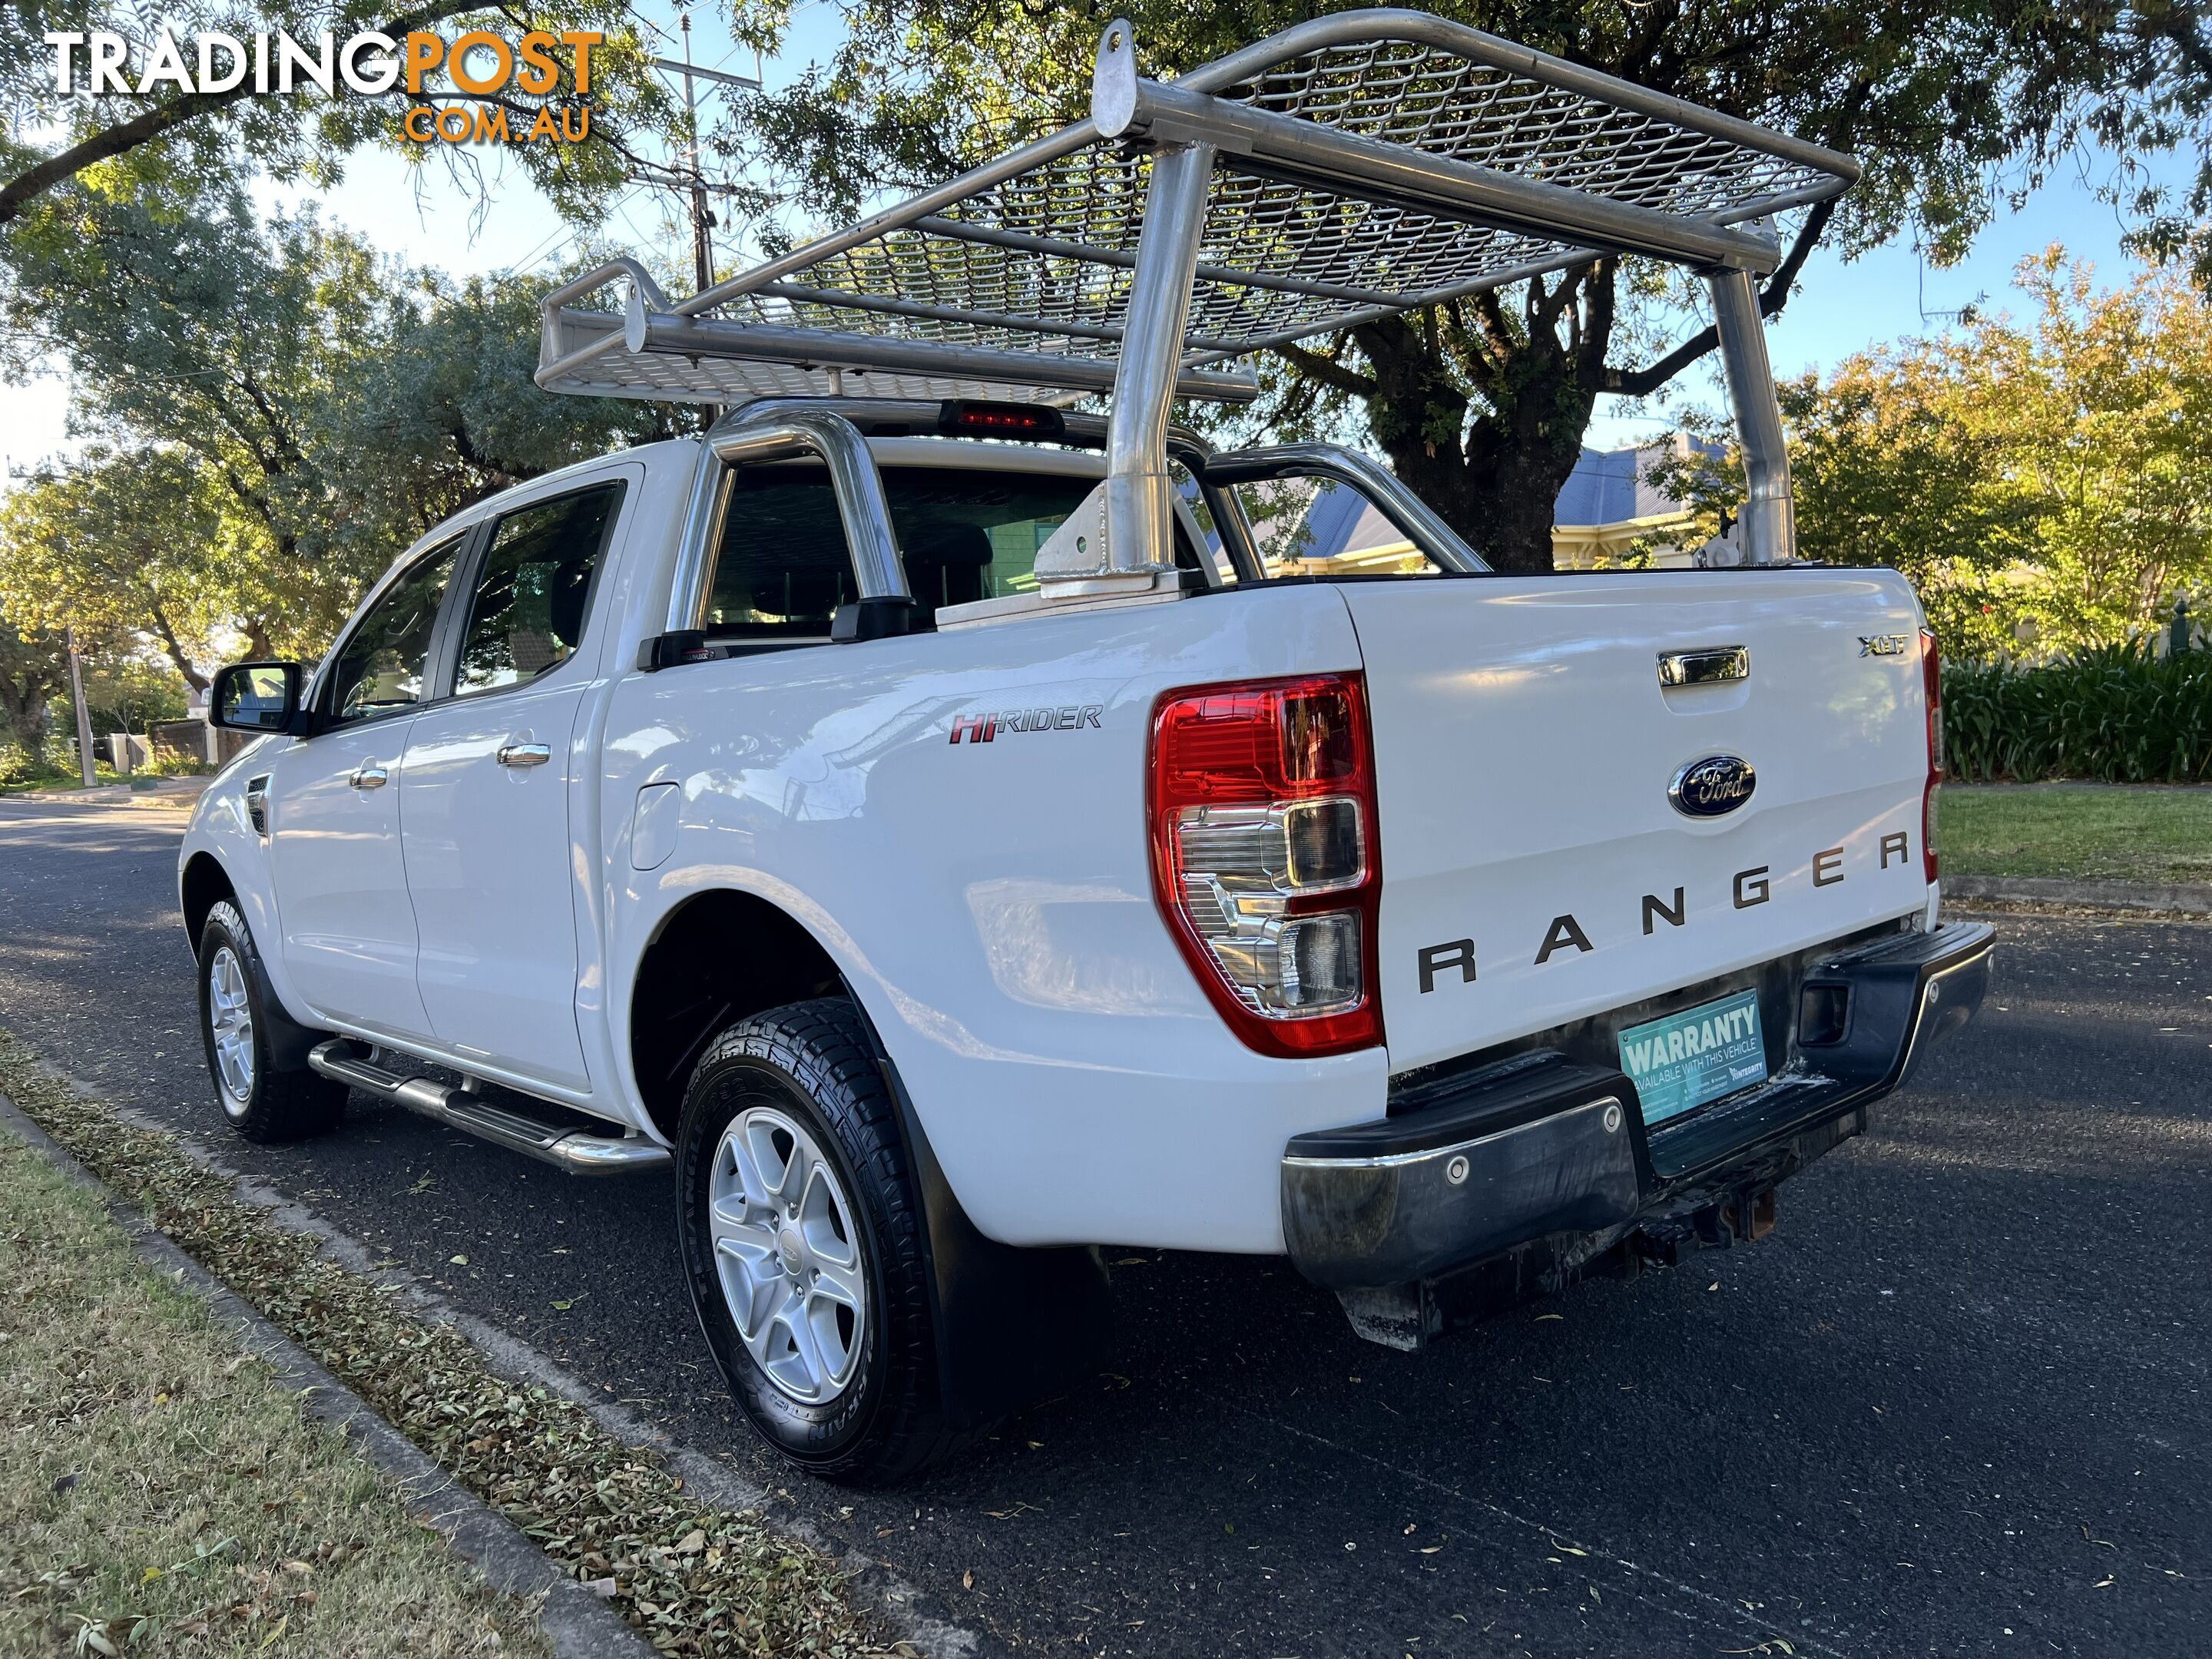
(369, 776)
(1713, 668)
(526, 754)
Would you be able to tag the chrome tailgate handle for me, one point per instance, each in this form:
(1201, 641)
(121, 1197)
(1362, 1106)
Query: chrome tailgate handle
(524, 754)
(1714, 667)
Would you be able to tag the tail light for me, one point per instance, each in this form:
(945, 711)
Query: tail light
(1264, 856)
(1931, 674)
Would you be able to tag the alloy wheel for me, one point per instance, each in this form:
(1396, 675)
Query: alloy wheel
(786, 1249)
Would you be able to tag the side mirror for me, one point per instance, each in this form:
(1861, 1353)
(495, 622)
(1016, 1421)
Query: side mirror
(257, 696)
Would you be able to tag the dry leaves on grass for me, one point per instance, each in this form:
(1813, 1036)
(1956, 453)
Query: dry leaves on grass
(603, 1510)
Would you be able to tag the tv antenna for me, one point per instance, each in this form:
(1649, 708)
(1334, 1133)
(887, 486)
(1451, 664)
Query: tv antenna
(1956, 314)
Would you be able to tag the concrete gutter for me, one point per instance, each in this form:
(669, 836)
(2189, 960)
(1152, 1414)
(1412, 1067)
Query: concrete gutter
(2064, 895)
(577, 1625)
(176, 794)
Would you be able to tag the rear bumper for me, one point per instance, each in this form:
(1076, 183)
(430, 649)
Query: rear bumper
(1540, 1145)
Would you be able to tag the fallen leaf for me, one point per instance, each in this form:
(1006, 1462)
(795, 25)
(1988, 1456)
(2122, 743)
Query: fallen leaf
(459, 1261)
(692, 1543)
(968, 1580)
(1540, 1318)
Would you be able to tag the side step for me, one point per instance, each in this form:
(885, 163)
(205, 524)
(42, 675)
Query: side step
(569, 1149)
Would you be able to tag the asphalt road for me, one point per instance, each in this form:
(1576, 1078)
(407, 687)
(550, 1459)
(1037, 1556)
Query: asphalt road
(1956, 1404)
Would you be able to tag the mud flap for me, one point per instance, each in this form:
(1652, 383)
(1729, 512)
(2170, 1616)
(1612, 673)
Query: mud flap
(987, 1366)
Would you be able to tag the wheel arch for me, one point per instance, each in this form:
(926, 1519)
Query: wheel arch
(201, 885)
(722, 954)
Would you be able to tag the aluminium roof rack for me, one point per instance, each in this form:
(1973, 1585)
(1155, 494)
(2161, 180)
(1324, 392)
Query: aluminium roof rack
(1349, 168)
(1364, 162)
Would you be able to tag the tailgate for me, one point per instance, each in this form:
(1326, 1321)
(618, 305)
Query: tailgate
(1534, 869)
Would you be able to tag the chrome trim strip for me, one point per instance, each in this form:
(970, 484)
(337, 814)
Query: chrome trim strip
(1400, 1160)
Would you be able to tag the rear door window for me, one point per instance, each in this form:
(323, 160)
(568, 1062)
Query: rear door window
(1314, 526)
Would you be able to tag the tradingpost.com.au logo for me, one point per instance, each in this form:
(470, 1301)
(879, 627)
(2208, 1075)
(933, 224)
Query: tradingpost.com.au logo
(478, 64)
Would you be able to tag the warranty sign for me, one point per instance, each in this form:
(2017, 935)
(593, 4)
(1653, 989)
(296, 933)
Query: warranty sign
(1680, 1062)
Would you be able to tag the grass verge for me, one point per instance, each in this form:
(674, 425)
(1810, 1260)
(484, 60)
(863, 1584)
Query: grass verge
(2080, 832)
(160, 1493)
(695, 1579)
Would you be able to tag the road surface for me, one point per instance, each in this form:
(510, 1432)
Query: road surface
(1955, 1405)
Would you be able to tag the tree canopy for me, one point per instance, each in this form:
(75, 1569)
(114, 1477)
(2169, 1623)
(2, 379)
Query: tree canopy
(1481, 405)
(171, 139)
(277, 413)
(2046, 481)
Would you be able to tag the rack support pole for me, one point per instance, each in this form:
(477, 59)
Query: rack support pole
(1769, 514)
(1139, 492)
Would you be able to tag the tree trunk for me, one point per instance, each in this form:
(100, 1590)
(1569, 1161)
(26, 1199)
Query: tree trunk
(23, 701)
(1495, 479)
(175, 651)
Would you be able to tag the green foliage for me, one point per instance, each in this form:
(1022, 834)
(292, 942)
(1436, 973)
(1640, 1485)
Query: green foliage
(2046, 484)
(34, 670)
(2114, 713)
(169, 144)
(130, 693)
(281, 414)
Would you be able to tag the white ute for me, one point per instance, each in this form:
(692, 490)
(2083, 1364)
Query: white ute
(926, 818)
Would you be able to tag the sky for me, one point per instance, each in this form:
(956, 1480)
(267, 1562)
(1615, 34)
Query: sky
(419, 215)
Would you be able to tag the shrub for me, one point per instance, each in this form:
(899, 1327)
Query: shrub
(2117, 714)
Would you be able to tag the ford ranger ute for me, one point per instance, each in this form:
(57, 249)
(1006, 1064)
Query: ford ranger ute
(954, 819)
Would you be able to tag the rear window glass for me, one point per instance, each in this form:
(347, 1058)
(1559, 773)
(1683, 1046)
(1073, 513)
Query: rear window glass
(1324, 527)
(783, 567)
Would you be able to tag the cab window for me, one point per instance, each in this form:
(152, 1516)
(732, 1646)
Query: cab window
(783, 566)
(385, 662)
(533, 591)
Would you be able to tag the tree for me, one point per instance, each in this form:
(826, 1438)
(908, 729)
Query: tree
(120, 542)
(1481, 405)
(33, 671)
(168, 138)
(281, 414)
(2046, 481)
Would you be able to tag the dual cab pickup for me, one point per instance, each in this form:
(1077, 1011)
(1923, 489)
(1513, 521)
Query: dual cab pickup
(793, 807)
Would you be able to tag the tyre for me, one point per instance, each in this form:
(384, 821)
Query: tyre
(803, 1243)
(264, 1102)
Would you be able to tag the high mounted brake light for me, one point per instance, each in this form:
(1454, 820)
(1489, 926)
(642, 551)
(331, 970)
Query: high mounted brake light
(967, 418)
(1264, 856)
(1931, 676)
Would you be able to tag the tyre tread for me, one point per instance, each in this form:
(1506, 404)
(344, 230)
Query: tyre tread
(823, 1046)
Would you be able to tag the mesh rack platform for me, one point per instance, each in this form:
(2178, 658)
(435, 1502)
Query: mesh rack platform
(1358, 165)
